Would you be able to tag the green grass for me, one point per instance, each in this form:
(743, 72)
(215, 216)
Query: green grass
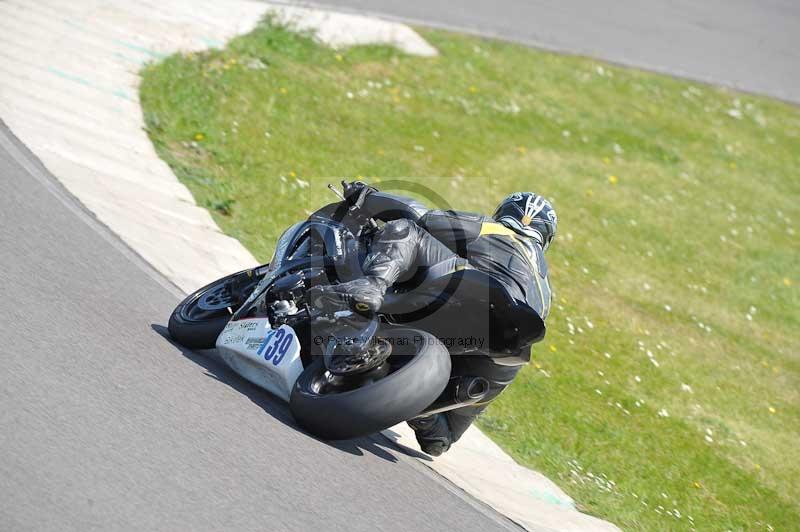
(661, 263)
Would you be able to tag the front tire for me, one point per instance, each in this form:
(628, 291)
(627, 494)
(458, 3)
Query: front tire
(420, 371)
(200, 318)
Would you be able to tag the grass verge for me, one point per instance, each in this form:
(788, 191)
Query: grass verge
(665, 395)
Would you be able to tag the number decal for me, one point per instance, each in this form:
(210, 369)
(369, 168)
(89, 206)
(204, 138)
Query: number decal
(284, 347)
(275, 346)
(265, 342)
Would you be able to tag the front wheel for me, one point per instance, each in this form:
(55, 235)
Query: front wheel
(331, 407)
(200, 318)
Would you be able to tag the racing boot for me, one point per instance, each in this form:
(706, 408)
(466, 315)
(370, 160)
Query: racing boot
(394, 250)
(433, 433)
(364, 296)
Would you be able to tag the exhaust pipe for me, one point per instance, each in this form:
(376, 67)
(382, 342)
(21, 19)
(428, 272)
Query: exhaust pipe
(470, 389)
(459, 392)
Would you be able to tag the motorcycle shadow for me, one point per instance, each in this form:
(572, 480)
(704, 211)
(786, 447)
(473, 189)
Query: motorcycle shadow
(377, 445)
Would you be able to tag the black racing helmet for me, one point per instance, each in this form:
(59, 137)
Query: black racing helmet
(528, 214)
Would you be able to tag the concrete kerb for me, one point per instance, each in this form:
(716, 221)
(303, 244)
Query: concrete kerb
(69, 90)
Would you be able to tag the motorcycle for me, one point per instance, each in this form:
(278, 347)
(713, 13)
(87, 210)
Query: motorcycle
(349, 373)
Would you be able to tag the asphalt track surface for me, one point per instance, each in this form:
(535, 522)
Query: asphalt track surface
(106, 425)
(752, 45)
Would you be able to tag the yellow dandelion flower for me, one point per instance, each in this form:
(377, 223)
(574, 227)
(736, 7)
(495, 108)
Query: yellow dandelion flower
(292, 174)
(473, 89)
(606, 160)
(732, 166)
(553, 348)
(697, 485)
(199, 136)
(613, 179)
(339, 57)
(589, 192)
(772, 410)
(758, 466)
(787, 281)
(283, 90)
(380, 151)
(521, 149)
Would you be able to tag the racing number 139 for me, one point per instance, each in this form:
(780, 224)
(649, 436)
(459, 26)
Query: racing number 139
(275, 346)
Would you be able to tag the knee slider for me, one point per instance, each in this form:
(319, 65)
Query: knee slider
(397, 229)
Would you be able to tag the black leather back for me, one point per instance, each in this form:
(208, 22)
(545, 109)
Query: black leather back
(467, 304)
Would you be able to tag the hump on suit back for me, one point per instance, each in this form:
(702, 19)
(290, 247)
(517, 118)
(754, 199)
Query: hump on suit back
(463, 304)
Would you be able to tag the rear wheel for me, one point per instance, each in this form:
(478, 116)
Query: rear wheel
(338, 407)
(199, 319)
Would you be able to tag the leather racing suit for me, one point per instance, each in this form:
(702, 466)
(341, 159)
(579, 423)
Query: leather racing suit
(451, 240)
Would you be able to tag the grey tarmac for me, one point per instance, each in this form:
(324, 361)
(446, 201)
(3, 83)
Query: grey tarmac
(752, 45)
(106, 425)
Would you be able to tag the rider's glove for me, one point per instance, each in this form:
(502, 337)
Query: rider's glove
(356, 192)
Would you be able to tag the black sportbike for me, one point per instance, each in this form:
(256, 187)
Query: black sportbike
(347, 373)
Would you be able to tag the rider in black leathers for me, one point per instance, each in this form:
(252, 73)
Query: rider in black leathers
(509, 247)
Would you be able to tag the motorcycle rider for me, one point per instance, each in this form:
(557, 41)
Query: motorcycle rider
(509, 246)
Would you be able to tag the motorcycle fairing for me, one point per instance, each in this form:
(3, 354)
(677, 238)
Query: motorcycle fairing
(339, 253)
(267, 357)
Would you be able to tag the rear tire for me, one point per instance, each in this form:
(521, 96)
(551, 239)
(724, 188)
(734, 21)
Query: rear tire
(195, 328)
(380, 404)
